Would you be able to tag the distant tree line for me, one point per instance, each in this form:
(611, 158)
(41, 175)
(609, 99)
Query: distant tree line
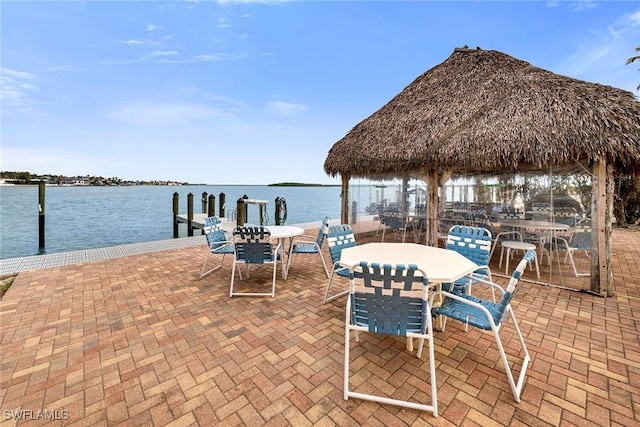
(28, 178)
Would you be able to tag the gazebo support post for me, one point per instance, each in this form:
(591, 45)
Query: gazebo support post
(602, 216)
(344, 196)
(433, 188)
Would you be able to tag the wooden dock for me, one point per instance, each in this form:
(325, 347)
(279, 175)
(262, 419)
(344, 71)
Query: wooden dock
(198, 220)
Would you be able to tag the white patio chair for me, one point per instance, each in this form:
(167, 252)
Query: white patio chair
(391, 300)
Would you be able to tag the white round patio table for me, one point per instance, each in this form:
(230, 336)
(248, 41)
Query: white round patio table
(281, 232)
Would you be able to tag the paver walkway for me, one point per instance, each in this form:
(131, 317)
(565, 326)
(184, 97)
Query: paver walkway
(142, 340)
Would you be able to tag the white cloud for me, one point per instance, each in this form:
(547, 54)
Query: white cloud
(218, 57)
(283, 108)
(228, 2)
(132, 42)
(152, 27)
(167, 114)
(602, 56)
(583, 5)
(223, 23)
(16, 90)
(163, 53)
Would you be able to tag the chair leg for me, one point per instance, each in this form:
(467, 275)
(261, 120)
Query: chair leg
(492, 250)
(433, 408)
(233, 275)
(328, 298)
(573, 265)
(324, 264)
(275, 268)
(347, 336)
(516, 388)
(204, 266)
(288, 263)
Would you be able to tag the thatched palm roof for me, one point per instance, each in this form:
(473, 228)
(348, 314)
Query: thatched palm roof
(482, 111)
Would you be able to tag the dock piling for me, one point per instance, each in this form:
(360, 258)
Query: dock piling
(222, 203)
(204, 201)
(212, 205)
(41, 213)
(190, 214)
(241, 213)
(176, 212)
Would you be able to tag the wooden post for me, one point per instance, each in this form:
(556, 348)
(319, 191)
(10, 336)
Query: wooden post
(212, 205)
(176, 212)
(601, 219)
(344, 196)
(41, 214)
(245, 209)
(222, 200)
(241, 217)
(432, 207)
(204, 202)
(260, 214)
(190, 214)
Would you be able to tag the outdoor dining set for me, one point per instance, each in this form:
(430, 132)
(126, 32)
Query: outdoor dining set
(400, 289)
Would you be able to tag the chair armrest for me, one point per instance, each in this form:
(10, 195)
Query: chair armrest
(304, 238)
(221, 244)
(461, 300)
(477, 279)
(509, 233)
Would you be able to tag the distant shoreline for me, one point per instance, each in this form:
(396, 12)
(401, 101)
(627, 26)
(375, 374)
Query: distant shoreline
(300, 184)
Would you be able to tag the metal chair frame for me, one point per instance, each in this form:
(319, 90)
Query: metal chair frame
(306, 244)
(473, 243)
(578, 241)
(391, 300)
(489, 315)
(217, 241)
(338, 237)
(253, 246)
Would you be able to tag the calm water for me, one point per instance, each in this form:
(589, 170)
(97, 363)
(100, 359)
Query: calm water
(92, 217)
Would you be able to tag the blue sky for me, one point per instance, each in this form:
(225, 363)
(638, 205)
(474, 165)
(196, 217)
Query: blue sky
(255, 92)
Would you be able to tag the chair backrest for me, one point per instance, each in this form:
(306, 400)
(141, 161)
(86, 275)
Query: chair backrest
(322, 232)
(394, 222)
(541, 211)
(472, 242)
(513, 283)
(213, 231)
(565, 215)
(482, 220)
(253, 244)
(339, 237)
(389, 299)
(580, 240)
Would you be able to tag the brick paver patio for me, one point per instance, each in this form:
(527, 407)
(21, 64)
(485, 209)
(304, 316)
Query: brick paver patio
(141, 340)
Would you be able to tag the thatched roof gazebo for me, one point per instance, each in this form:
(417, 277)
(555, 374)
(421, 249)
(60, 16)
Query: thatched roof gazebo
(484, 112)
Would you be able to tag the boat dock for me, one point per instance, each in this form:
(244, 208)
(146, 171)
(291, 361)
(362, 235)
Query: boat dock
(198, 219)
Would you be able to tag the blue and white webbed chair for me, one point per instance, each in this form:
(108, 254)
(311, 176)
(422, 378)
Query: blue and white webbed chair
(217, 241)
(396, 224)
(339, 237)
(390, 300)
(579, 241)
(308, 245)
(474, 243)
(253, 247)
(489, 316)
